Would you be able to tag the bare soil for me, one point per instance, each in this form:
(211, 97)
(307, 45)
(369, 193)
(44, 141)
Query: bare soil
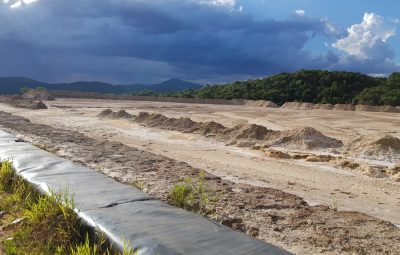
(127, 151)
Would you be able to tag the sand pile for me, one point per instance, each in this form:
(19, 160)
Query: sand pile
(370, 108)
(211, 128)
(388, 108)
(380, 147)
(249, 132)
(344, 107)
(323, 106)
(105, 113)
(261, 103)
(243, 135)
(121, 114)
(306, 138)
(340, 107)
(291, 105)
(18, 101)
(306, 106)
(366, 108)
(182, 124)
(277, 154)
(39, 95)
(319, 158)
(298, 106)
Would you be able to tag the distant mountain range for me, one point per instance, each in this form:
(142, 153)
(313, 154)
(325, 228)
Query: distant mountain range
(12, 85)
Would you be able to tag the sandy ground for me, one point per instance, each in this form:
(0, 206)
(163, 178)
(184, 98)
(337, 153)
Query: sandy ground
(317, 183)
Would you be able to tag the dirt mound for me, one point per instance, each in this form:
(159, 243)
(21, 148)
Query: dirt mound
(319, 158)
(105, 113)
(306, 138)
(298, 106)
(277, 154)
(366, 108)
(248, 131)
(121, 114)
(291, 105)
(306, 106)
(340, 107)
(379, 147)
(261, 103)
(344, 107)
(39, 95)
(388, 108)
(182, 124)
(323, 106)
(211, 128)
(370, 108)
(19, 102)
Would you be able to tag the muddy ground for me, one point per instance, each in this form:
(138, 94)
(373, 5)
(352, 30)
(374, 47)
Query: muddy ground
(278, 217)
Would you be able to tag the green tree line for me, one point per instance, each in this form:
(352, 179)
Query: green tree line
(313, 86)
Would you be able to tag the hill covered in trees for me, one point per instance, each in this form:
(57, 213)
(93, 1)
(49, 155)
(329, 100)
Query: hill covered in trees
(313, 86)
(13, 85)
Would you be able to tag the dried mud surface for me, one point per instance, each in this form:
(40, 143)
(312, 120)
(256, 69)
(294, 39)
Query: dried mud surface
(274, 216)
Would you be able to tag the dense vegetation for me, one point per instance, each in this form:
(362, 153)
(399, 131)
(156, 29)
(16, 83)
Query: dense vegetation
(313, 86)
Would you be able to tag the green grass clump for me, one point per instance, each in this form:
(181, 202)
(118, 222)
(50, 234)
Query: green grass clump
(193, 195)
(47, 224)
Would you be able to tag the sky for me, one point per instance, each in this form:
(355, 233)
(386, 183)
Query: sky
(205, 41)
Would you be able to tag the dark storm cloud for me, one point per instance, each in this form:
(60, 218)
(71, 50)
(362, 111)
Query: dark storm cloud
(127, 40)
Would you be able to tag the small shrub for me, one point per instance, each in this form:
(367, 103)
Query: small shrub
(6, 176)
(192, 195)
(24, 90)
(84, 248)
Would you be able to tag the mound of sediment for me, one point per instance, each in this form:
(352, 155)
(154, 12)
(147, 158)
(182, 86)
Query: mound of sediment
(261, 103)
(19, 102)
(105, 113)
(182, 124)
(379, 147)
(248, 131)
(291, 105)
(298, 106)
(39, 95)
(277, 154)
(306, 138)
(344, 107)
(211, 128)
(319, 158)
(323, 106)
(121, 114)
(388, 108)
(306, 106)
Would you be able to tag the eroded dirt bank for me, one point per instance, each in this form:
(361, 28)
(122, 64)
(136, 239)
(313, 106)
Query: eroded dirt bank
(271, 215)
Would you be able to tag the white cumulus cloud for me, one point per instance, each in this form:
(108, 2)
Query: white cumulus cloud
(16, 4)
(224, 3)
(29, 1)
(365, 40)
(300, 12)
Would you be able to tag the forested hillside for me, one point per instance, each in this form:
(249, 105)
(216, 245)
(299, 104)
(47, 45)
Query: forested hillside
(13, 85)
(313, 86)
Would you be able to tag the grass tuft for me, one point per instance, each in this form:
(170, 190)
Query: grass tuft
(47, 224)
(193, 195)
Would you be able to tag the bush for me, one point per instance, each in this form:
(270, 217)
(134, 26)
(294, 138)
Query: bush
(192, 195)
